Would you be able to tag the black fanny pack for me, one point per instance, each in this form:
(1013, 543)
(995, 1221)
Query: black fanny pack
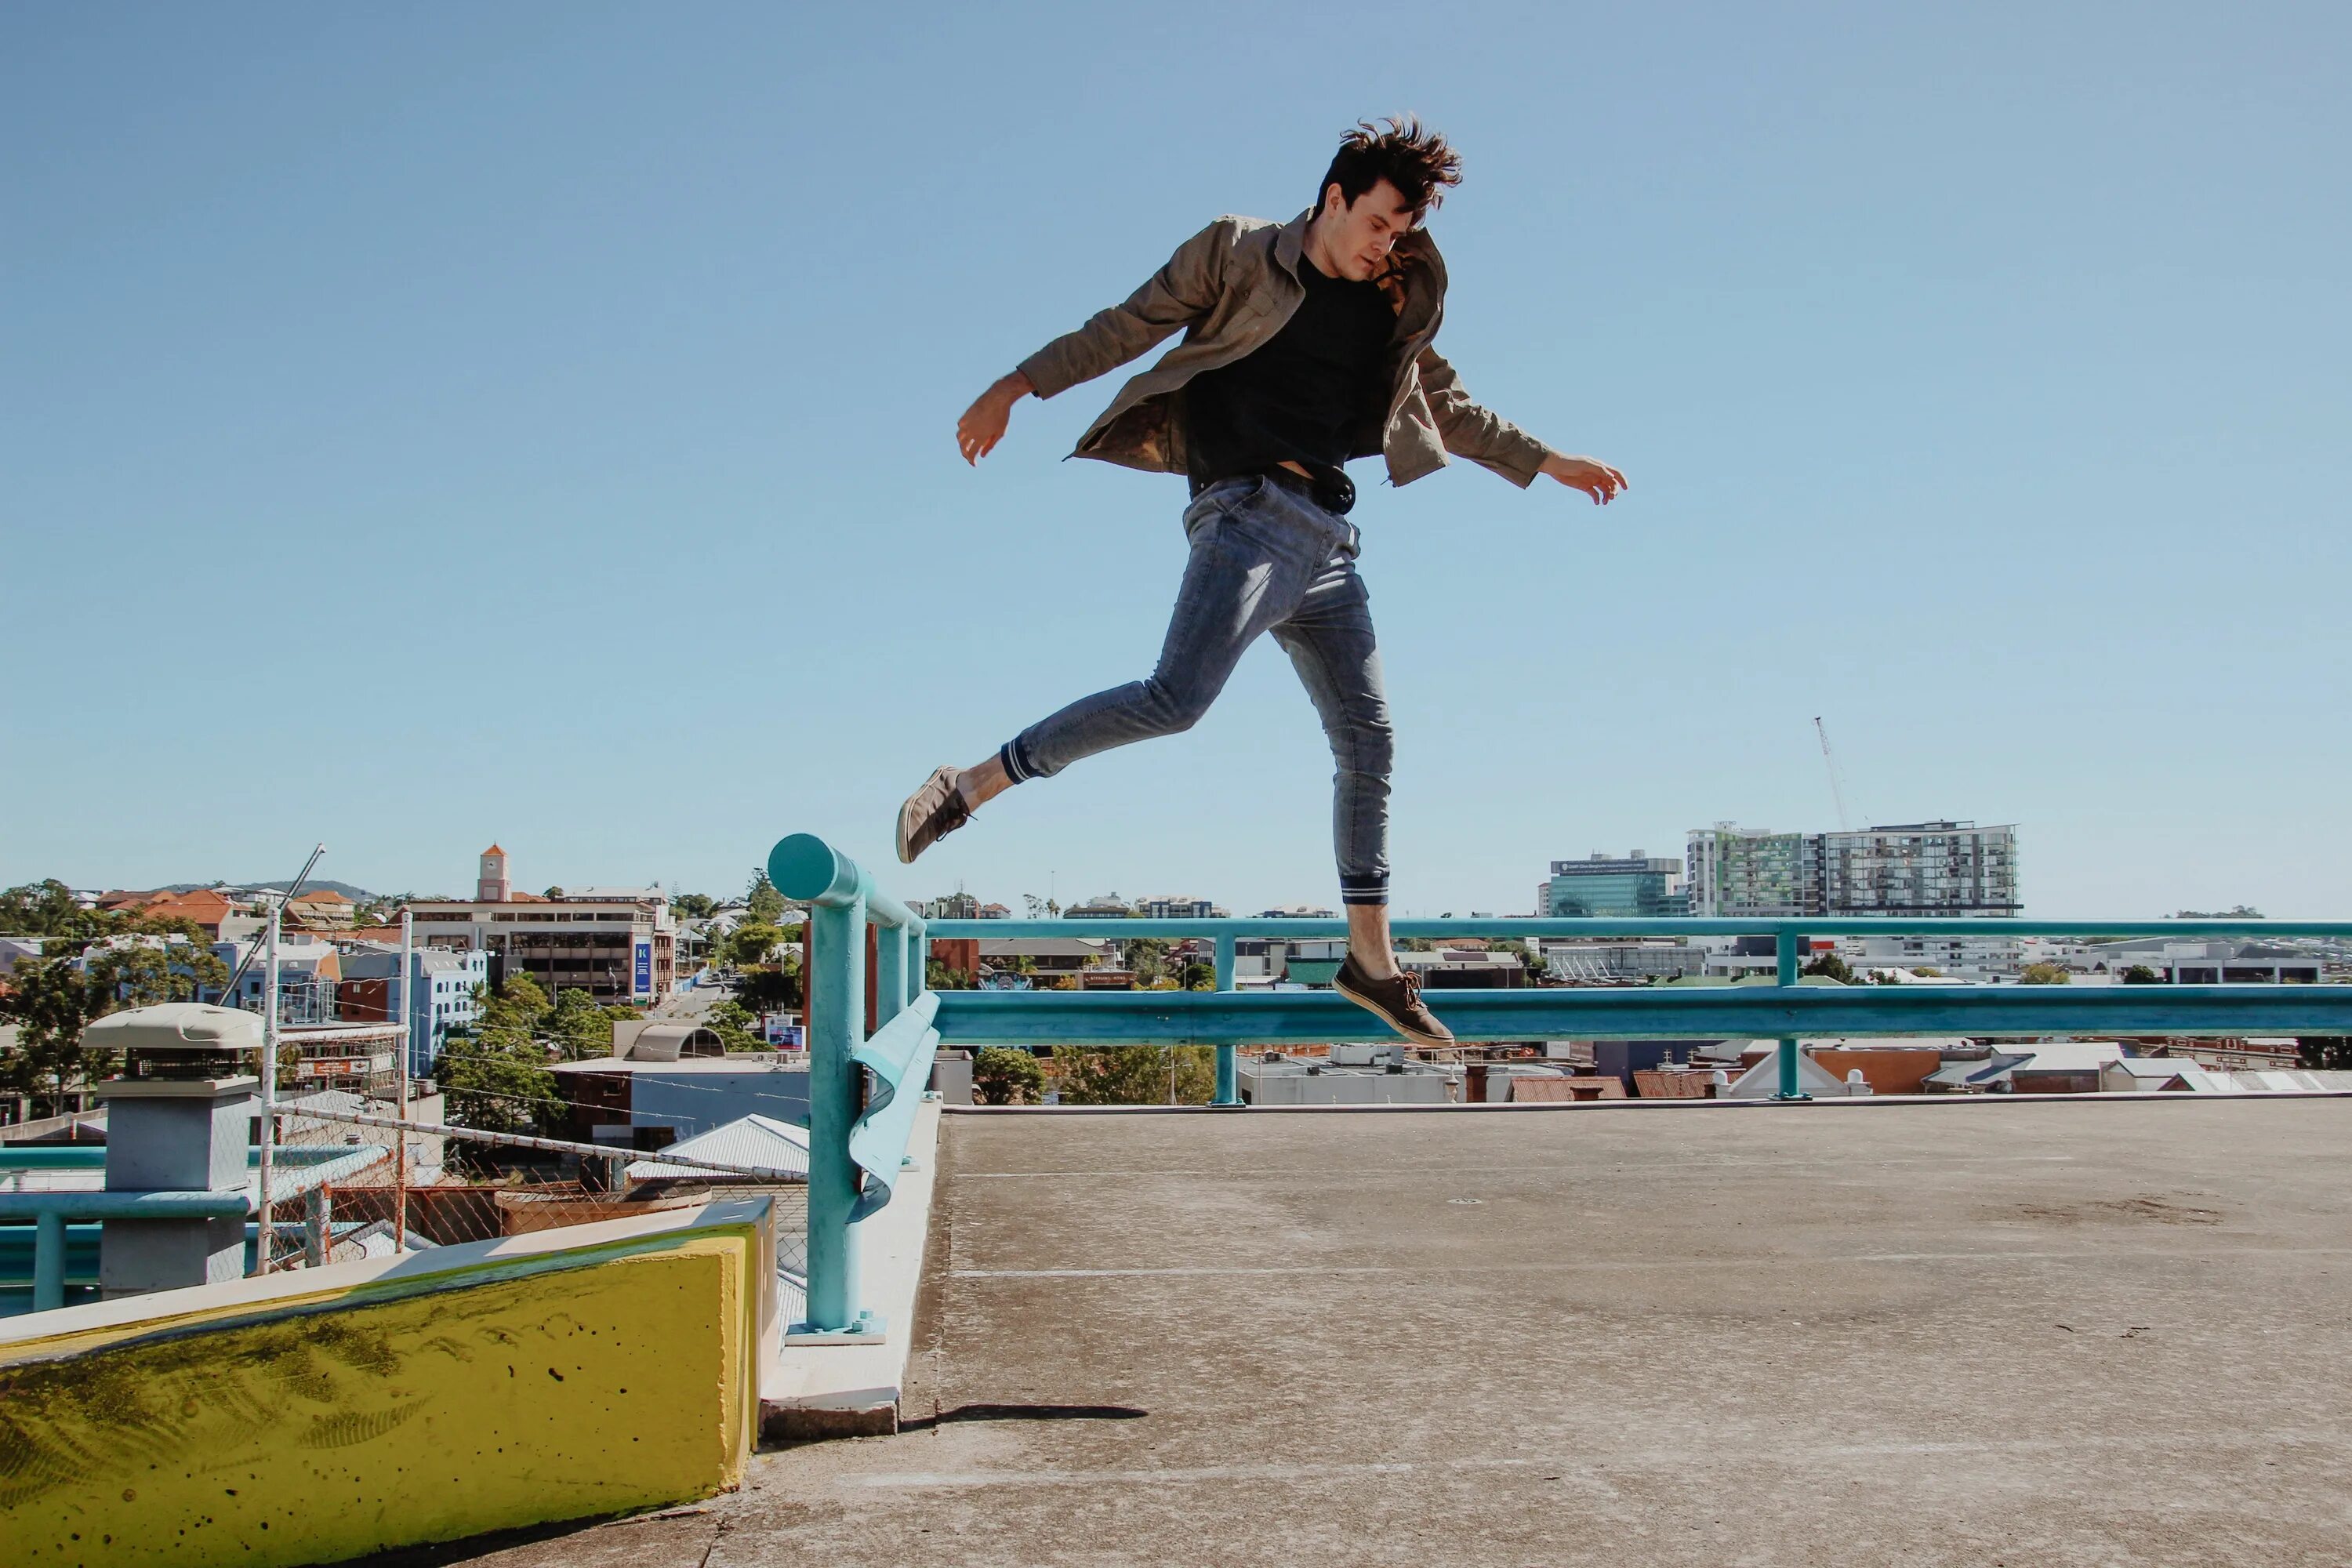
(1330, 488)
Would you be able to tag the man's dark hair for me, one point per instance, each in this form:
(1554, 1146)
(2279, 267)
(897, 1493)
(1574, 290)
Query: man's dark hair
(1406, 153)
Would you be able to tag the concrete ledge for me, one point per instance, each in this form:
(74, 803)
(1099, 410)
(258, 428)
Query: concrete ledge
(332, 1412)
(840, 1390)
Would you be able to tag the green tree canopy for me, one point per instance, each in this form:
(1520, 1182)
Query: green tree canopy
(1006, 1075)
(1146, 957)
(2141, 974)
(519, 1005)
(1832, 966)
(694, 906)
(770, 990)
(1134, 1075)
(736, 1029)
(54, 998)
(2044, 975)
(751, 943)
(581, 1028)
(766, 904)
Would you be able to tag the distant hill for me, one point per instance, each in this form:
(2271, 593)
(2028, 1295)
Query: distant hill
(356, 894)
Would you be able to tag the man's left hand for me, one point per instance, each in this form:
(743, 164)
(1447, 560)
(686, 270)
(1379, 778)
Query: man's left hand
(1593, 477)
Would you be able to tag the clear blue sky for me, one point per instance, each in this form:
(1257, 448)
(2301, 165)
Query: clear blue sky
(426, 425)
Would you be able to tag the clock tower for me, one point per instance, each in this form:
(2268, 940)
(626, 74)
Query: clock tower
(492, 887)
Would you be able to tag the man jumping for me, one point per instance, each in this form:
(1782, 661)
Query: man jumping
(1306, 344)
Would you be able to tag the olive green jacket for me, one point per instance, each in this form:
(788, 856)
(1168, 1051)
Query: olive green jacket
(1229, 289)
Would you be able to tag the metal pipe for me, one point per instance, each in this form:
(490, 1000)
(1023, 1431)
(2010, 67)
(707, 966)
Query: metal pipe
(268, 1086)
(1730, 1012)
(1987, 926)
(318, 1217)
(836, 1001)
(407, 1043)
(48, 1260)
(1785, 946)
(1228, 1070)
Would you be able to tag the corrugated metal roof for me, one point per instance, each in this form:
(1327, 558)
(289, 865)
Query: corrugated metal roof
(757, 1141)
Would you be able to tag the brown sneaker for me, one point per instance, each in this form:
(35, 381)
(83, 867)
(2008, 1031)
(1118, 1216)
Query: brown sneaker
(930, 814)
(1395, 1001)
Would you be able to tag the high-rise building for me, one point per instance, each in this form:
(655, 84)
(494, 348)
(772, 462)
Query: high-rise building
(1938, 868)
(1914, 868)
(1746, 871)
(1600, 886)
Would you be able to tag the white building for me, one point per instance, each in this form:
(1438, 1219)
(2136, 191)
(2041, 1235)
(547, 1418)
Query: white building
(619, 944)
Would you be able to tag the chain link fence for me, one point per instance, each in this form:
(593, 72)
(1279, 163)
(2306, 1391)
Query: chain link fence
(464, 1188)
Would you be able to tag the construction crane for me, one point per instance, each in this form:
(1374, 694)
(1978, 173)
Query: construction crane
(1829, 761)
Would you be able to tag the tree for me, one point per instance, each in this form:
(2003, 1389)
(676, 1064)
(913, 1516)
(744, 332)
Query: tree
(2044, 975)
(495, 1074)
(519, 1005)
(497, 1081)
(751, 943)
(1004, 1075)
(552, 893)
(765, 905)
(42, 909)
(1830, 966)
(770, 990)
(1135, 1074)
(1147, 958)
(1529, 959)
(1200, 976)
(580, 1027)
(55, 998)
(2141, 974)
(693, 905)
(52, 1002)
(2324, 1053)
(736, 1028)
(938, 977)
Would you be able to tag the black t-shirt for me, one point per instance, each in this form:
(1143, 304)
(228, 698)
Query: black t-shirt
(1312, 394)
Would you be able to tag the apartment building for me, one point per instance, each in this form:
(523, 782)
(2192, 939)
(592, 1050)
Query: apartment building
(1940, 868)
(619, 944)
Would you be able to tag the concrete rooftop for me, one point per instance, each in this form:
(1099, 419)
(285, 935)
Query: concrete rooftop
(2060, 1331)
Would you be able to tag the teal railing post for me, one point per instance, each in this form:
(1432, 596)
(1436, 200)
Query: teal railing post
(50, 1260)
(1228, 1082)
(1784, 952)
(805, 867)
(891, 993)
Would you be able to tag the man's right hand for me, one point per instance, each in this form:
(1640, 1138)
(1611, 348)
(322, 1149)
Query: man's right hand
(982, 425)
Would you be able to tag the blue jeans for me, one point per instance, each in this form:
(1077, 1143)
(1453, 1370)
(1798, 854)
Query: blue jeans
(1264, 559)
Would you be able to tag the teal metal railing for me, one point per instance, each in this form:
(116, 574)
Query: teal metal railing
(853, 1126)
(864, 1086)
(57, 1215)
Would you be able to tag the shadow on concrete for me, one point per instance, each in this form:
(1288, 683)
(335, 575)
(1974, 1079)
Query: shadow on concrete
(1025, 1412)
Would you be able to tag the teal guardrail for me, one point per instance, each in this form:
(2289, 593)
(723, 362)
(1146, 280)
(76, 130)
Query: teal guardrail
(1784, 1010)
(56, 1215)
(863, 1087)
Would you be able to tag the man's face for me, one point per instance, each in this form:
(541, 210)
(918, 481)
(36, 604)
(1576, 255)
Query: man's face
(1360, 237)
